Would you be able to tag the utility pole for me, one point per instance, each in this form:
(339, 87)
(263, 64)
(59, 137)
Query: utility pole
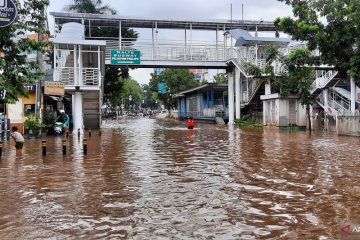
(40, 61)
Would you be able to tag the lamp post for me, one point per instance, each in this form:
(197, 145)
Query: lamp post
(130, 98)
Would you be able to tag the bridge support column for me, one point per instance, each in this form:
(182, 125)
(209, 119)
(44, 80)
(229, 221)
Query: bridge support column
(237, 93)
(231, 97)
(326, 94)
(267, 88)
(78, 112)
(353, 95)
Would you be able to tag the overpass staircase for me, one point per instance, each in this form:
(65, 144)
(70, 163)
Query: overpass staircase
(65, 72)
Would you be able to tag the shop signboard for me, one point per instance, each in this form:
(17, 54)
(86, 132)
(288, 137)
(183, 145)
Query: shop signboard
(8, 13)
(54, 88)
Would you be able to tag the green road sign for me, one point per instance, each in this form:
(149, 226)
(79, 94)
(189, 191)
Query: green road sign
(161, 87)
(125, 57)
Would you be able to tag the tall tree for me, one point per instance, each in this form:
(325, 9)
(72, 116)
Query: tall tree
(176, 80)
(14, 69)
(90, 6)
(297, 78)
(332, 26)
(131, 92)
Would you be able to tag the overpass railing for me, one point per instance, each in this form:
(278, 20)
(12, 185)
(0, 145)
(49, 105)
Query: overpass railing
(171, 50)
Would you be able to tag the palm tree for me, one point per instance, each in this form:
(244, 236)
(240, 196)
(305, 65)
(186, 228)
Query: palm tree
(90, 6)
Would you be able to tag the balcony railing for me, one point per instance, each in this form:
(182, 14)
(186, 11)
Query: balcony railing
(89, 76)
(65, 75)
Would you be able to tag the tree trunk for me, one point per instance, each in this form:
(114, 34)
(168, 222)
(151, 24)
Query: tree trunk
(308, 115)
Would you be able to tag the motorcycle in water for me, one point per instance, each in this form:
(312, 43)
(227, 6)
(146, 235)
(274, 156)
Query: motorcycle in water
(58, 129)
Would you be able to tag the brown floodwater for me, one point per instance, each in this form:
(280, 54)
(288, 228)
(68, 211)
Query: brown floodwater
(147, 179)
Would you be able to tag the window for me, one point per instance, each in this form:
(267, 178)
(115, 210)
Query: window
(29, 109)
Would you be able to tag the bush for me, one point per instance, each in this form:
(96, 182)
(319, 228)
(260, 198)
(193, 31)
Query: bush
(33, 126)
(49, 118)
(246, 121)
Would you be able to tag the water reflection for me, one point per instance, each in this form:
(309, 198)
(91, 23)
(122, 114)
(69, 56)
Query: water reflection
(146, 179)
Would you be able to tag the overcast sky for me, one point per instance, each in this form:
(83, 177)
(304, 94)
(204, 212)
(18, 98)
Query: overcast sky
(266, 10)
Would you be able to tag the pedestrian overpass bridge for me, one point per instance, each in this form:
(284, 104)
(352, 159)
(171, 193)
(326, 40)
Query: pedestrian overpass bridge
(81, 54)
(182, 50)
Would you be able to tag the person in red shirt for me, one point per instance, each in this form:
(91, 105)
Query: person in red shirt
(190, 122)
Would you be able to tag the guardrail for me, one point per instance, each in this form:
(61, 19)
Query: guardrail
(339, 102)
(322, 78)
(171, 50)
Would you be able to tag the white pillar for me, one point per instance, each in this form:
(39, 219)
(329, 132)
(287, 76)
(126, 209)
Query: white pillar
(325, 94)
(75, 67)
(267, 88)
(73, 109)
(99, 67)
(120, 37)
(231, 97)
(237, 93)
(81, 67)
(353, 95)
(78, 111)
(311, 110)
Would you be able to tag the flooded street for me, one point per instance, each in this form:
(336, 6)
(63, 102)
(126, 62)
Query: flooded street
(147, 179)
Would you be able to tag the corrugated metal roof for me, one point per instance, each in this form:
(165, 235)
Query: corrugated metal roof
(164, 23)
(244, 38)
(219, 86)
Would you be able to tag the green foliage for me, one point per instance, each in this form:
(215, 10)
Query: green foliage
(14, 45)
(298, 78)
(253, 70)
(271, 53)
(33, 125)
(49, 118)
(176, 80)
(220, 78)
(131, 87)
(337, 37)
(246, 121)
(113, 84)
(147, 96)
(90, 6)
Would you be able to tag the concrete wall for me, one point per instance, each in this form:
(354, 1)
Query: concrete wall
(276, 112)
(348, 125)
(302, 116)
(16, 112)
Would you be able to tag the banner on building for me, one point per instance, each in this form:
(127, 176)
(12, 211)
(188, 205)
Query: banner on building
(54, 88)
(358, 94)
